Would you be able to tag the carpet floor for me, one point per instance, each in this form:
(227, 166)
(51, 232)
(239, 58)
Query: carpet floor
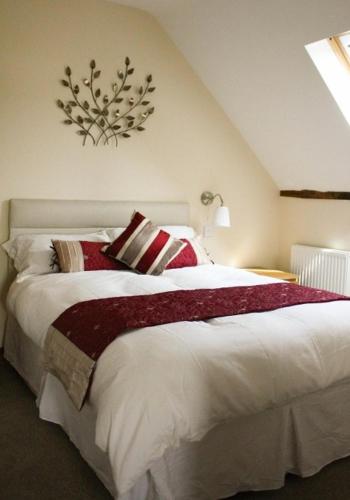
(38, 462)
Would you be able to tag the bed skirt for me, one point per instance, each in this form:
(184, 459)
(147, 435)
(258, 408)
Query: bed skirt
(250, 453)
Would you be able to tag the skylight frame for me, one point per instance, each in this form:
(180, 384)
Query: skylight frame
(332, 60)
(338, 47)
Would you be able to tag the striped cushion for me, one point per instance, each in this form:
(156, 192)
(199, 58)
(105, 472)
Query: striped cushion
(144, 247)
(192, 255)
(75, 256)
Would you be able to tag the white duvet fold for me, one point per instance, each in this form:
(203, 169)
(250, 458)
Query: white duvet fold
(158, 386)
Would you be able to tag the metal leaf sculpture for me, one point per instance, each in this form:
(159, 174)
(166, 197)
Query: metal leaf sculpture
(103, 117)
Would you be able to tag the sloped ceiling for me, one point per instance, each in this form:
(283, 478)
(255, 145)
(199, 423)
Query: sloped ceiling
(250, 54)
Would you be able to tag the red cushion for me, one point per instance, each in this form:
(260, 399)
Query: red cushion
(186, 258)
(96, 260)
(77, 256)
(192, 255)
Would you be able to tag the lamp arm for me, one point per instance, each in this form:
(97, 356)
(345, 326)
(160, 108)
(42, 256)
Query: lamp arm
(220, 198)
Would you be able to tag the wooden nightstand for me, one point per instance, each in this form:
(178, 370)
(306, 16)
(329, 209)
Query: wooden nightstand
(275, 273)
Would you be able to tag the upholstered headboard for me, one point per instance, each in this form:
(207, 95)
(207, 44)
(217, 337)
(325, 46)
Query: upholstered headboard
(40, 216)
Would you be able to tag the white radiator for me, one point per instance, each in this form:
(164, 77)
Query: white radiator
(322, 268)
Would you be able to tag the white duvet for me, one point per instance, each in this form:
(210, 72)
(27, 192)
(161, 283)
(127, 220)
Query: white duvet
(158, 386)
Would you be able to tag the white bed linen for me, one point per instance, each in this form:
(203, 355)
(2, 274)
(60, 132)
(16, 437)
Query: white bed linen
(157, 387)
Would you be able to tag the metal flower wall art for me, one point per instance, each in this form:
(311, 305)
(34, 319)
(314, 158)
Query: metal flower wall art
(101, 117)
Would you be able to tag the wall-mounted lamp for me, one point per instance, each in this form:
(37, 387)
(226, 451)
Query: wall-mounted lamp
(221, 215)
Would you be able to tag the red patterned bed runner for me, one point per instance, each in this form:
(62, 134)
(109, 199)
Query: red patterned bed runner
(84, 330)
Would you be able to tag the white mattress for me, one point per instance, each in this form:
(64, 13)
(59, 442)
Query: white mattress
(279, 357)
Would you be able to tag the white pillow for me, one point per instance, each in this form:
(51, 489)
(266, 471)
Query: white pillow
(33, 253)
(180, 231)
(114, 232)
(174, 231)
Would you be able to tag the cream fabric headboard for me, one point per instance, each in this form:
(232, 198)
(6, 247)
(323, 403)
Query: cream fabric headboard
(68, 216)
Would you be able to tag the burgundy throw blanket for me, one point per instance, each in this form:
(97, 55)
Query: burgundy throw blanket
(81, 333)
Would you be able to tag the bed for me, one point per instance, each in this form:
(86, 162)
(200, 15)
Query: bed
(190, 410)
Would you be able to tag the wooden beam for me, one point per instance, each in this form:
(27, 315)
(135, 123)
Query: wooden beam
(316, 195)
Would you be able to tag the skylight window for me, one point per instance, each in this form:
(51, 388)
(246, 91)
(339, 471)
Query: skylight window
(331, 56)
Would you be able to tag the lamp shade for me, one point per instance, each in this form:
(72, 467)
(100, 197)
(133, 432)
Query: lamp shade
(222, 217)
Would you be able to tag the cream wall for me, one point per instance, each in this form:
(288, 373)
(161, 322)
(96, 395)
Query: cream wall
(323, 223)
(189, 145)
